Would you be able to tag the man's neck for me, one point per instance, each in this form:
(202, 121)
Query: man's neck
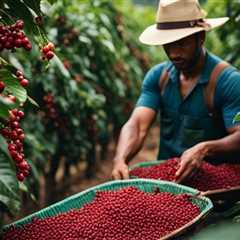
(197, 69)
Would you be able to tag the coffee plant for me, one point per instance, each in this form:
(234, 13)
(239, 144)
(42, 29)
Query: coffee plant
(19, 33)
(88, 94)
(82, 64)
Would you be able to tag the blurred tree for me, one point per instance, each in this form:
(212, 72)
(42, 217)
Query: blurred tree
(225, 40)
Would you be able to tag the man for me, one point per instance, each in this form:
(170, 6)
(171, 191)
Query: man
(196, 93)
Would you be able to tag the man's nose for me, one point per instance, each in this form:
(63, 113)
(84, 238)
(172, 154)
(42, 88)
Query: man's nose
(174, 52)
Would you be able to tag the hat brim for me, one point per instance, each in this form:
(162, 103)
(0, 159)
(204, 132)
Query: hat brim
(154, 36)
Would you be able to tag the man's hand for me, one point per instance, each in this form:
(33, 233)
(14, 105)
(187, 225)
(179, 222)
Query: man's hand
(190, 161)
(120, 171)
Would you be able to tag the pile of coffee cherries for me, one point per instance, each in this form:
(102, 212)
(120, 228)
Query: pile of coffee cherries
(208, 177)
(127, 213)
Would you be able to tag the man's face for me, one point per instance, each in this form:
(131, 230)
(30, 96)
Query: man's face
(182, 53)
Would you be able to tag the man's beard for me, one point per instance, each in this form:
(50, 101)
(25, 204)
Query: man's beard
(187, 66)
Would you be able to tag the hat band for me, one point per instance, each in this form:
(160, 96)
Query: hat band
(182, 24)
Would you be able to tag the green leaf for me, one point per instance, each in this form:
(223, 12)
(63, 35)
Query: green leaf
(58, 63)
(109, 45)
(3, 146)
(236, 118)
(5, 106)
(8, 185)
(34, 5)
(32, 101)
(52, 1)
(13, 86)
(24, 188)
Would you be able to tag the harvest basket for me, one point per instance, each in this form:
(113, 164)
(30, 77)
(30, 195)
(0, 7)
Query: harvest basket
(144, 164)
(221, 194)
(78, 200)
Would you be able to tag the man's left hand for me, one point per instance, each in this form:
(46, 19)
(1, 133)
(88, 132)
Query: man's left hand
(190, 161)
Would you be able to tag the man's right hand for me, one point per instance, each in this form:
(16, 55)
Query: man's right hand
(120, 171)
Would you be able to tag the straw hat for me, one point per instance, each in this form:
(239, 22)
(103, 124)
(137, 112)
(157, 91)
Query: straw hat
(177, 19)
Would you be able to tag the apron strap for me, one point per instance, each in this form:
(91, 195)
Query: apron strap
(163, 81)
(209, 90)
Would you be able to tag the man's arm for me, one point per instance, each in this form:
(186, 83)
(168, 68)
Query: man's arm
(192, 158)
(131, 139)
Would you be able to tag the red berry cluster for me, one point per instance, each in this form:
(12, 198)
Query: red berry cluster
(51, 109)
(208, 177)
(49, 104)
(20, 76)
(71, 35)
(12, 36)
(14, 135)
(122, 214)
(2, 86)
(48, 51)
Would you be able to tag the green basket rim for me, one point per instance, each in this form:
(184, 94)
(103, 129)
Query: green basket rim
(145, 164)
(189, 190)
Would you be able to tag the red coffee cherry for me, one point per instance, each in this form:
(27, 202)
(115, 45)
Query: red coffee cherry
(2, 86)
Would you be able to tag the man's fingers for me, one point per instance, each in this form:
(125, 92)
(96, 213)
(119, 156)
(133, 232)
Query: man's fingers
(182, 168)
(184, 175)
(120, 173)
(125, 174)
(116, 175)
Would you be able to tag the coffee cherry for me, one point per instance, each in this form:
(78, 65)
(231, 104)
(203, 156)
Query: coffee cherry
(49, 55)
(24, 82)
(19, 24)
(45, 49)
(20, 114)
(19, 73)
(39, 20)
(51, 46)
(2, 86)
(20, 177)
(23, 165)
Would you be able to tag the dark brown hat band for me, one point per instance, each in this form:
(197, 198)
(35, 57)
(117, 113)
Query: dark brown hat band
(177, 25)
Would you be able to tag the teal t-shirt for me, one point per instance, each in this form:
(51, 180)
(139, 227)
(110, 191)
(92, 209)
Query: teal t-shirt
(186, 122)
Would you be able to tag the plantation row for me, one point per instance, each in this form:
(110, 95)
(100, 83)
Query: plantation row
(70, 74)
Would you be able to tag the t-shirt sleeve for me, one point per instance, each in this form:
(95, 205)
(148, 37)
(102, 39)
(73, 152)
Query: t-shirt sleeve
(229, 89)
(150, 94)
